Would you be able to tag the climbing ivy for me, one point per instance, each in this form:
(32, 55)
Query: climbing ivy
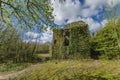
(79, 44)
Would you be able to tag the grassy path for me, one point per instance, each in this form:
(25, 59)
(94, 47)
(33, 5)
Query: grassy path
(69, 70)
(74, 70)
(14, 74)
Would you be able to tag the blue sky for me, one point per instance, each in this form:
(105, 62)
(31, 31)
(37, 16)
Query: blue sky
(90, 11)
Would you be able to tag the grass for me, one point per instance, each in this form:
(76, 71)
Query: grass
(74, 70)
(12, 67)
(43, 57)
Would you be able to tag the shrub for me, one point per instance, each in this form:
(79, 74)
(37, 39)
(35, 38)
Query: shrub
(107, 41)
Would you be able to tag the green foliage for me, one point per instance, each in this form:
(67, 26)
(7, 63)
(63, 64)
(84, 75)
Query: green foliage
(10, 67)
(13, 49)
(79, 41)
(22, 14)
(74, 70)
(26, 12)
(8, 41)
(42, 57)
(57, 45)
(107, 41)
(42, 48)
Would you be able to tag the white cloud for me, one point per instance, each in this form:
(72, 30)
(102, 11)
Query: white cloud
(104, 22)
(94, 3)
(63, 11)
(73, 9)
(112, 3)
(32, 34)
(44, 37)
(93, 25)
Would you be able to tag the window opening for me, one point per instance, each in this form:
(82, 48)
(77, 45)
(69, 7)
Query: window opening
(66, 37)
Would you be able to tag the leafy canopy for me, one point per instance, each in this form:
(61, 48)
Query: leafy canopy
(26, 12)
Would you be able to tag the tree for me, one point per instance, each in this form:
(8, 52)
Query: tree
(13, 49)
(26, 13)
(21, 14)
(9, 39)
(112, 16)
(106, 41)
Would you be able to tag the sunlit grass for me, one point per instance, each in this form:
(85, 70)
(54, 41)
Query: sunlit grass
(75, 70)
(44, 55)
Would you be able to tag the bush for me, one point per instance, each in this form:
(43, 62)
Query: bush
(10, 67)
(107, 41)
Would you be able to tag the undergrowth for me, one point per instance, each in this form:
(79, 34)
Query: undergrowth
(12, 67)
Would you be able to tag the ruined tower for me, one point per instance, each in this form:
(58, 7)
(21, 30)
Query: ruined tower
(72, 41)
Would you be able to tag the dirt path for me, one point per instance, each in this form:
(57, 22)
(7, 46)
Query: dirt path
(15, 74)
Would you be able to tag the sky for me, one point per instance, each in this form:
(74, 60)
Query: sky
(89, 11)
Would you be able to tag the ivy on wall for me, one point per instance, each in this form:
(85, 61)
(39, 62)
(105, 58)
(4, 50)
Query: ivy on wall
(78, 45)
